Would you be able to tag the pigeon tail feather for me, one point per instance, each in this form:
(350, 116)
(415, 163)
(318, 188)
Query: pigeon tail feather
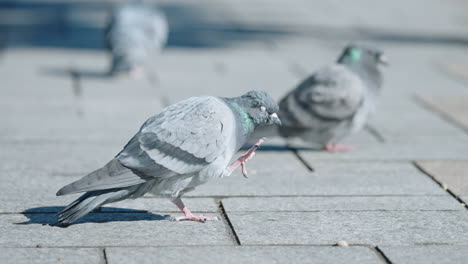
(90, 201)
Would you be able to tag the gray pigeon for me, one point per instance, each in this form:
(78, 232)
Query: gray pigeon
(335, 101)
(135, 34)
(183, 146)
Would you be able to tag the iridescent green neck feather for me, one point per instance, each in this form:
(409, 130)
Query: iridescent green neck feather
(247, 123)
(355, 55)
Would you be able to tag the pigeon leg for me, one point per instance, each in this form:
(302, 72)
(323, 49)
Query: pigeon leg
(188, 216)
(242, 160)
(337, 148)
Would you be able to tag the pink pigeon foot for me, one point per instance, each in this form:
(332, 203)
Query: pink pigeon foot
(136, 73)
(197, 218)
(337, 148)
(242, 160)
(188, 216)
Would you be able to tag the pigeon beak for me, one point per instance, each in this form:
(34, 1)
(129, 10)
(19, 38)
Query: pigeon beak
(383, 60)
(274, 119)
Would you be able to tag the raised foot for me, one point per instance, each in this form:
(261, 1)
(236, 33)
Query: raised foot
(338, 148)
(242, 160)
(196, 218)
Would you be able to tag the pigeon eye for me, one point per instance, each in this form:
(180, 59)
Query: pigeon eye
(262, 108)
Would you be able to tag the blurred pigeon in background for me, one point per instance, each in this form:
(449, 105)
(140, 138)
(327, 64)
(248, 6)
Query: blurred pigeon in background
(334, 102)
(135, 35)
(183, 146)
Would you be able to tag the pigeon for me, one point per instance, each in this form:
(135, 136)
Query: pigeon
(136, 33)
(183, 146)
(333, 102)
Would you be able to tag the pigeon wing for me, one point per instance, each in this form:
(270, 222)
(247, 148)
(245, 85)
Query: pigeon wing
(332, 94)
(112, 175)
(182, 139)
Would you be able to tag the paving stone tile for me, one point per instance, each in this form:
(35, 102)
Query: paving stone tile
(274, 174)
(453, 108)
(109, 229)
(456, 70)
(350, 203)
(49, 255)
(453, 173)
(207, 255)
(439, 254)
(58, 111)
(58, 158)
(393, 119)
(225, 73)
(374, 227)
(66, 121)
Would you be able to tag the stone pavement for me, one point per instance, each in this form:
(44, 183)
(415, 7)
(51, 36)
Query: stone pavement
(398, 198)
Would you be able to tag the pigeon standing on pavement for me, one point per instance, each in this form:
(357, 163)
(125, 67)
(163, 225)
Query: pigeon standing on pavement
(183, 146)
(335, 101)
(135, 34)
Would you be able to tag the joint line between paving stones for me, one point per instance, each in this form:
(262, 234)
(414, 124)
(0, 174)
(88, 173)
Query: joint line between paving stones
(104, 256)
(375, 133)
(76, 82)
(228, 222)
(302, 195)
(372, 247)
(381, 255)
(420, 168)
(301, 159)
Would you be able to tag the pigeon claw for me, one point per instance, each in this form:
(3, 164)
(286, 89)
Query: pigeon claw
(242, 160)
(196, 218)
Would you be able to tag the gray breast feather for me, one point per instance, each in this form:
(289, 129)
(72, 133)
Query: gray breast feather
(183, 138)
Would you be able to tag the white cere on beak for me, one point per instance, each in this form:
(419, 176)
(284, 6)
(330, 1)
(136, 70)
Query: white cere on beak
(274, 115)
(262, 108)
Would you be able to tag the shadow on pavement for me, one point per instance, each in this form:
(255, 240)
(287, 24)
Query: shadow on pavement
(65, 72)
(267, 148)
(47, 215)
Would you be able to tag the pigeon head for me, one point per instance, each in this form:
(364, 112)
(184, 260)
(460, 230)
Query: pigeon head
(260, 108)
(362, 54)
(364, 59)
